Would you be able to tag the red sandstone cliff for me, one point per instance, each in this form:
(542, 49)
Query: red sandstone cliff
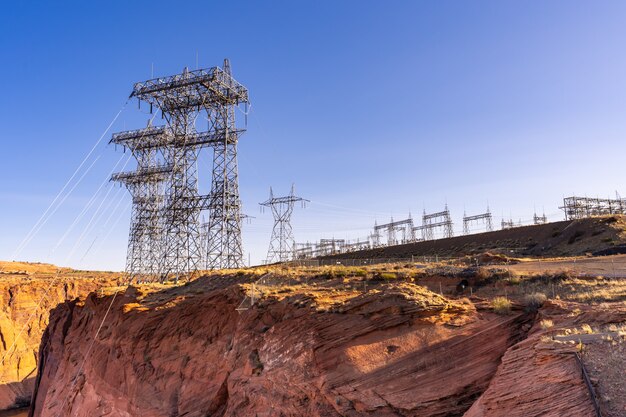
(27, 293)
(396, 350)
(540, 376)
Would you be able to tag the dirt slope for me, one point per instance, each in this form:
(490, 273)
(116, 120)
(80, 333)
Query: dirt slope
(565, 238)
(306, 349)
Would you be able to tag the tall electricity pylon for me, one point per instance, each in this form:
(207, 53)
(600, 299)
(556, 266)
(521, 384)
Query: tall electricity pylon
(182, 98)
(282, 244)
(224, 247)
(146, 185)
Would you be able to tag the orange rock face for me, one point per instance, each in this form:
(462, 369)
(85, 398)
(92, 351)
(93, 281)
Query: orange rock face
(539, 377)
(395, 350)
(27, 294)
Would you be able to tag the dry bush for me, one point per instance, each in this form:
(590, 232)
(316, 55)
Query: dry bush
(388, 275)
(483, 274)
(501, 305)
(534, 301)
(585, 328)
(546, 324)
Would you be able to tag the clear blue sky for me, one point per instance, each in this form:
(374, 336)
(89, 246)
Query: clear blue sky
(371, 108)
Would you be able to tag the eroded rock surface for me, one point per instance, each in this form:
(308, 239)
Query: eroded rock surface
(540, 376)
(27, 294)
(395, 350)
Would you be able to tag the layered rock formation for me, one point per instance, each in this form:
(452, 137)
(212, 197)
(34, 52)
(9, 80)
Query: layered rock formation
(27, 294)
(395, 349)
(540, 376)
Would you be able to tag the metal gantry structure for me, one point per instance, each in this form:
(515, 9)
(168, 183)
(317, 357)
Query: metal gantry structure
(400, 231)
(509, 224)
(146, 185)
(483, 218)
(537, 219)
(183, 99)
(432, 221)
(582, 207)
(282, 246)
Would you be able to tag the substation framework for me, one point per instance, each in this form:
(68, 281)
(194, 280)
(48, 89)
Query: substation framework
(484, 218)
(282, 246)
(537, 219)
(508, 224)
(397, 232)
(175, 246)
(582, 207)
(432, 221)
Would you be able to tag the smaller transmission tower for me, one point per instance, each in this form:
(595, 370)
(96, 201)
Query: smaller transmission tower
(484, 218)
(282, 244)
(433, 221)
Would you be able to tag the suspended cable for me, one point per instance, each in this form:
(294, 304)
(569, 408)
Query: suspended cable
(28, 235)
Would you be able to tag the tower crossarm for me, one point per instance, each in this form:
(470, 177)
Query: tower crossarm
(477, 217)
(161, 138)
(140, 139)
(282, 200)
(435, 215)
(192, 89)
(151, 174)
(433, 225)
(405, 222)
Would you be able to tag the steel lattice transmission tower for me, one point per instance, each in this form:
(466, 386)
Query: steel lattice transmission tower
(282, 244)
(224, 247)
(146, 186)
(181, 99)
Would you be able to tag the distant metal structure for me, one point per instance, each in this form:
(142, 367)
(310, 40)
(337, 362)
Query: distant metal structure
(182, 98)
(537, 219)
(304, 250)
(282, 246)
(146, 185)
(393, 228)
(582, 207)
(356, 246)
(484, 218)
(375, 237)
(330, 246)
(509, 224)
(440, 220)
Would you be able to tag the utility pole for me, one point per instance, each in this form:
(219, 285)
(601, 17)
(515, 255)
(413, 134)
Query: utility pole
(282, 244)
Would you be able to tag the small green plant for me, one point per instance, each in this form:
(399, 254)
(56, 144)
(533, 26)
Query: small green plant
(360, 273)
(501, 305)
(388, 275)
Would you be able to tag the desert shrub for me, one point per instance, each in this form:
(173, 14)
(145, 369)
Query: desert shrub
(585, 328)
(501, 305)
(546, 324)
(360, 273)
(534, 301)
(387, 275)
(483, 274)
(514, 280)
(339, 273)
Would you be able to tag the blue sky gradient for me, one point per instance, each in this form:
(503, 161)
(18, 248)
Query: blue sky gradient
(372, 109)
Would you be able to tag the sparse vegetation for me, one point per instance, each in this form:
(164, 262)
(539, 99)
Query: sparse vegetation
(388, 275)
(546, 324)
(534, 301)
(501, 305)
